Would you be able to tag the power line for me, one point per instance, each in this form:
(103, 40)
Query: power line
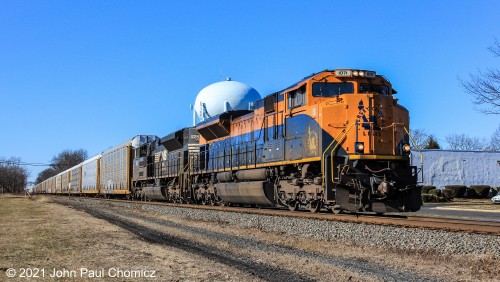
(24, 163)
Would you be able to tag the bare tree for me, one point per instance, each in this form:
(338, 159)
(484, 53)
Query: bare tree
(495, 141)
(495, 48)
(484, 87)
(463, 142)
(424, 140)
(420, 137)
(13, 177)
(45, 174)
(66, 159)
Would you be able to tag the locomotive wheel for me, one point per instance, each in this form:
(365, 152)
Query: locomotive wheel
(293, 206)
(215, 201)
(337, 210)
(212, 201)
(314, 206)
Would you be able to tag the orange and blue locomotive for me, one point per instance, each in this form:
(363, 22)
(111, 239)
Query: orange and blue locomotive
(337, 140)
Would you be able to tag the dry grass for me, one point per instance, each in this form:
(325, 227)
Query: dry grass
(37, 233)
(473, 204)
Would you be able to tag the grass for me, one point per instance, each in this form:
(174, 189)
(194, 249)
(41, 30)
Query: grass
(476, 204)
(30, 235)
(36, 233)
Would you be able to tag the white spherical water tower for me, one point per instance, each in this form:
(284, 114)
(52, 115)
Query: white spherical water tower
(223, 96)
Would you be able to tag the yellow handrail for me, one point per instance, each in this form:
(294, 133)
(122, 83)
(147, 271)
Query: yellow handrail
(415, 144)
(336, 139)
(419, 151)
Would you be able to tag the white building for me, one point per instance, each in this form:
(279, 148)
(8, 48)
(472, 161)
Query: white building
(444, 167)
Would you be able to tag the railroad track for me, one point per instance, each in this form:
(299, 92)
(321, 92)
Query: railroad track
(435, 223)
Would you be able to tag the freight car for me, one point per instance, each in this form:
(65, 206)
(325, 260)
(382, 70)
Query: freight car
(108, 174)
(337, 140)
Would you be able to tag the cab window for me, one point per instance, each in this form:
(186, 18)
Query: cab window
(297, 98)
(374, 88)
(330, 89)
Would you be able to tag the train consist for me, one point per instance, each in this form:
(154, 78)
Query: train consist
(337, 140)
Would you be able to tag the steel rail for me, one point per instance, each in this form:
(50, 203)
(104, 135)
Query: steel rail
(422, 222)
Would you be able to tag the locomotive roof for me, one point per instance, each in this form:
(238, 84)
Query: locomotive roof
(302, 81)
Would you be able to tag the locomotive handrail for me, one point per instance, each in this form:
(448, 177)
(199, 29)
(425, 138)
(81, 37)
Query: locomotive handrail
(324, 153)
(409, 135)
(419, 151)
(413, 142)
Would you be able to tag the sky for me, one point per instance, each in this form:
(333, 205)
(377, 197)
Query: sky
(92, 74)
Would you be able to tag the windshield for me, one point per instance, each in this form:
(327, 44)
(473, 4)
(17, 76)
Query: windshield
(374, 88)
(329, 89)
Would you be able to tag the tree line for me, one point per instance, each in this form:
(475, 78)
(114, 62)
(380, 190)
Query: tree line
(459, 142)
(14, 174)
(64, 160)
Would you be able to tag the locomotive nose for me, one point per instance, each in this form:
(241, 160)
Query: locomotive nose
(374, 117)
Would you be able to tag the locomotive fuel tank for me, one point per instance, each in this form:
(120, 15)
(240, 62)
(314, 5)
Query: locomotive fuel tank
(253, 189)
(225, 176)
(154, 193)
(252, 174)
(251, 192)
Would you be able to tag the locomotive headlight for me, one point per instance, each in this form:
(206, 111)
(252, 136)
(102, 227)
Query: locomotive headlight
(360, 147)
(355, 73)
(361, 73)
(406, 148)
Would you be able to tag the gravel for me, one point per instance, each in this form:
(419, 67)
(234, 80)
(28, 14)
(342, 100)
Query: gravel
(371, 269)
(439, 241)
(351, 234)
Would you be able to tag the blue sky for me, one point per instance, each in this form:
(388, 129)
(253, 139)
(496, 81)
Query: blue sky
(91, 74)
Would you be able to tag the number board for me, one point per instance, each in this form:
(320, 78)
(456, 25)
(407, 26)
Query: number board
(370, 74)
(343, 73)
